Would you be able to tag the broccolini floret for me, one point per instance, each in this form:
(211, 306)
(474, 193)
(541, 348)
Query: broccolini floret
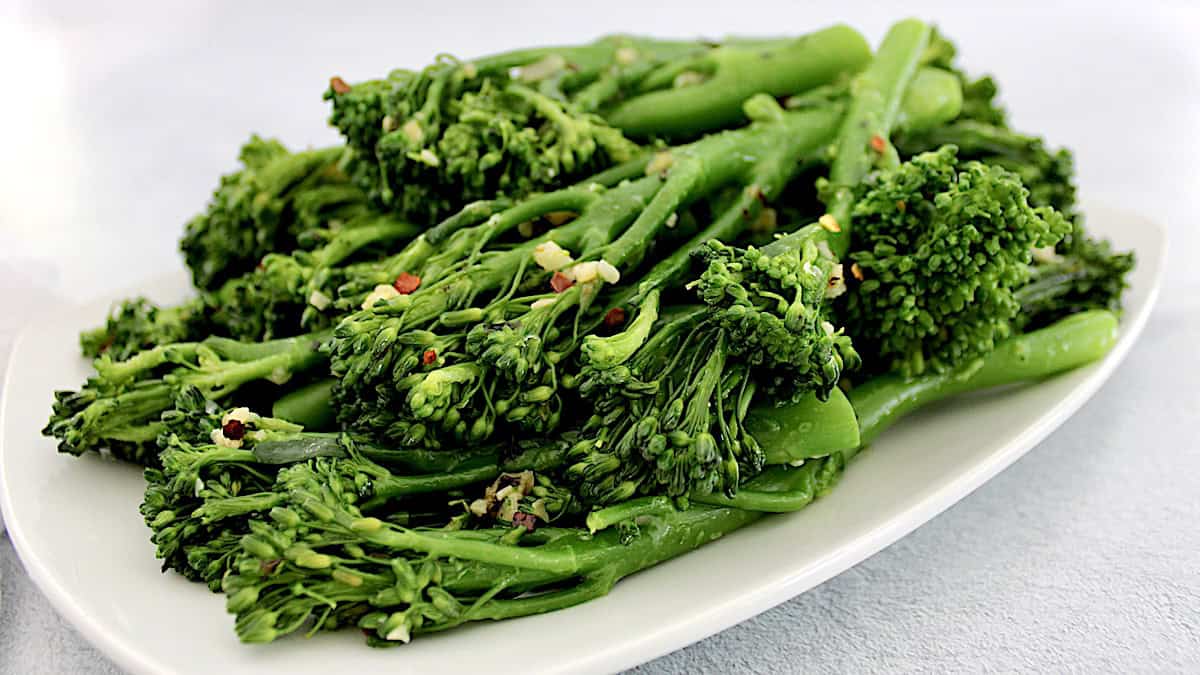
(427, 143)
(278, 201)
(118, 410)
(942, 247)
(138, 323)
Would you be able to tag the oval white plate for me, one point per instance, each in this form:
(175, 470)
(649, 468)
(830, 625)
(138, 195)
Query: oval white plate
(76, 526)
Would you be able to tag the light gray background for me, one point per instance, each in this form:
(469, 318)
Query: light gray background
(1083, 557)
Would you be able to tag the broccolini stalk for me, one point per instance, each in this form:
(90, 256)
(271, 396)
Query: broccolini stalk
(119, 408)
(399, 582)
(1066, 344)
(511, 375)
(707, 92)
(877, 95)
(1069, 343)
(277, 202)
(941, 249)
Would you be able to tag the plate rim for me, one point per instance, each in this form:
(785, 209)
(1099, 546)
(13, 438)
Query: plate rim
(717, 616)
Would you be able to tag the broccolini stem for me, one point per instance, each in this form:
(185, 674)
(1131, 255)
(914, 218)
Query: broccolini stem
(1072, 342)
(310, 406)
(763, 156)
(301, 356)
(934, 96)
(804, 430)
(402, 486)
(741, 72)
(236, 350)
(470, 214)
(878, 92)
(781, 489)
(346, 242)
(122, 372)
(634, 168)
(602, 519)
(443, 544)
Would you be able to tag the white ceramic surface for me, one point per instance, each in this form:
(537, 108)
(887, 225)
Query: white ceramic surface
(76, 527)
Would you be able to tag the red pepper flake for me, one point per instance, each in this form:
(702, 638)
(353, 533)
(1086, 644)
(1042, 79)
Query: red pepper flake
(615, 317)
(428, 357)
(338, 85)
(878, 144)
(234, 430)
(526, 520)
(560, 282)
(406, 283)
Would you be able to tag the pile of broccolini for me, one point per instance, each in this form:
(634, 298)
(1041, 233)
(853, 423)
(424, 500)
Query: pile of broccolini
(553, 316)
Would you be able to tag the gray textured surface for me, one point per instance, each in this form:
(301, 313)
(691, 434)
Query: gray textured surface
(1082, 557)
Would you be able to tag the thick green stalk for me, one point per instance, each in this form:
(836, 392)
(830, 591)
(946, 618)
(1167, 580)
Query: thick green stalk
(879, 403)
(738, 74)
(402, 486)
(1072, 342)
(783, 489)
(299, 357)
(604, 558)
(628, 510)
(236, 350)
(310, 406)
(876, 98)
(763, 156)
(934, 96)
(806, 429)
(345, 243)
(444, 544)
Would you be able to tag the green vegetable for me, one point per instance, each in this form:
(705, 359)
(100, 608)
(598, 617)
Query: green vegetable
(677, 425)
(291, 294)
(1048, 175)
(433, 579)
(119, 408)
(1069, 343)
(137, 324)
(942, 248)
(308, 406)
(1080, 274)
(804, 429)
(274, 204)
(427, 143)
(729, 75)
(863, 141)
(512, 356)
(515, 339)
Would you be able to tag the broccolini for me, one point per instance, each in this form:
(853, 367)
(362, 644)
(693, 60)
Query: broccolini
(516, 347)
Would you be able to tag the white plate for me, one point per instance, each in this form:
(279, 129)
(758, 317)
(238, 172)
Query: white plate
(76, 526)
